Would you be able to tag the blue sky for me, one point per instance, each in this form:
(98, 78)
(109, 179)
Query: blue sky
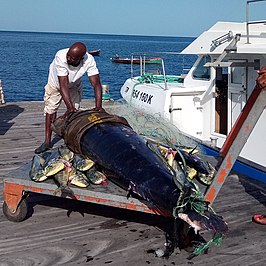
(134, 17)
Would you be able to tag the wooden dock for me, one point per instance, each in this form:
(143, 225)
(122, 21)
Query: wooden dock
(69, 232)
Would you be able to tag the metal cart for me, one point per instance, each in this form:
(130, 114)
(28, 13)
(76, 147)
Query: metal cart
(18, 186)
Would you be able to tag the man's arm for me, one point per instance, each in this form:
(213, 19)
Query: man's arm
(96, 84)
(261, 79)
(64, 90)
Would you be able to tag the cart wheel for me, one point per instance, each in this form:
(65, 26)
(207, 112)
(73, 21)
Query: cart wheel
(19, 215)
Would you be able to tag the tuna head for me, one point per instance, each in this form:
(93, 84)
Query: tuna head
(206, 221)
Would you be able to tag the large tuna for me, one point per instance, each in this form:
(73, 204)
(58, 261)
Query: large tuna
(135, 165)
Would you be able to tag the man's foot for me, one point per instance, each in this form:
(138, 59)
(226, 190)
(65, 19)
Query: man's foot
(259, 218)
(56, 139)
(44, 147)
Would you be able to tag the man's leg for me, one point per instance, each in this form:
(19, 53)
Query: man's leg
(49, 119)
(52, 100)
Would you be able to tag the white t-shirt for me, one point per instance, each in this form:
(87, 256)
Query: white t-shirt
(59, 67)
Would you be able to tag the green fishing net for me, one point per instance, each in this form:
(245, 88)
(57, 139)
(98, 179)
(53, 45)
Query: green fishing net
(153, 127)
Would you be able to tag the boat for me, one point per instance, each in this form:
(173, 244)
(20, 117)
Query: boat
(95, 52)
(134, 60)
(205, 101)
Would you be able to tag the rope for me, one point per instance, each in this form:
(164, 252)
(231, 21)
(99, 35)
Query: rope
(216, 240)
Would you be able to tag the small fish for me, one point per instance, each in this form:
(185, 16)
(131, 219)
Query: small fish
(191, 172)
(54, 166)
(95, 177)
(193, 161)
(51, 154)
(207, 178)
(66, 153)
(61, 179)
(202, 169)
(79, 179)
(170, 156)
(81, 163)
(36, 172)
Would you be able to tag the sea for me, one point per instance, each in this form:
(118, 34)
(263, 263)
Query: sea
(26, 56)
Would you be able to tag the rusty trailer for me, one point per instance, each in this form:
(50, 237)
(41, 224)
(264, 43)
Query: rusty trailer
(18, 186)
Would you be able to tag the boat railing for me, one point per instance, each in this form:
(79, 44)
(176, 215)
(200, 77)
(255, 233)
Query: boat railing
(142, 63)
(222, 39)
(142, 69)
(247, 17)
(145, 72)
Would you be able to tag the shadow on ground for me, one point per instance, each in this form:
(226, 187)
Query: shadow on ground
(254, 188)
(7, 113)
(177, 233)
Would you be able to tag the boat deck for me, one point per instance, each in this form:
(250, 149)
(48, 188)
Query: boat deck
(71, 232)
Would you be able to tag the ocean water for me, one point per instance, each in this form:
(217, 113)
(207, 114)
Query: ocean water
(25, 59)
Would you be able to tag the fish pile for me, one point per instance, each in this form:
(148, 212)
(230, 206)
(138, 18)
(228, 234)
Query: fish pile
(65, 168)
(194, 166)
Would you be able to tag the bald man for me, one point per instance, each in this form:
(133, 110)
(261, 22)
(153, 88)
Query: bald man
(64, 83)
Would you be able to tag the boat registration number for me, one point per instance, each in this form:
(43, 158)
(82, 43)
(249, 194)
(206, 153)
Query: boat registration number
(142, 96)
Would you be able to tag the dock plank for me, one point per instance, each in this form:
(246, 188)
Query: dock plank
(64, 231)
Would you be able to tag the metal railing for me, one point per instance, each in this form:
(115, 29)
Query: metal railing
(222, 39)
(142, 70)
(247, 17)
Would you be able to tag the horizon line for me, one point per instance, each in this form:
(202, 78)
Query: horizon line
(82, 33)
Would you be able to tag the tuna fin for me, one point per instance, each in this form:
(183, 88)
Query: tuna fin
(129, 192)
(192, 151)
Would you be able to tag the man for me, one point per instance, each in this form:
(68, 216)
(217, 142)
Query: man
(64, 82)
(261, 83)
(261, 79)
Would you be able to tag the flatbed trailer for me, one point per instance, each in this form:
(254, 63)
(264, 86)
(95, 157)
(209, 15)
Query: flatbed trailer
(18, 186)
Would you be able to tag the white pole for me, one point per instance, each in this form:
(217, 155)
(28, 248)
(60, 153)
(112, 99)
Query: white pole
(2, 99)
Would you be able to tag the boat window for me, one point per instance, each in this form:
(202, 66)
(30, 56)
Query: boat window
(202, 72)
(236, 75)
(221, 104)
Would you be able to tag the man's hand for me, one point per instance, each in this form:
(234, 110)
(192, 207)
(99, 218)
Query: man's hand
(261, 79)
(67, 113)
(98, 109)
